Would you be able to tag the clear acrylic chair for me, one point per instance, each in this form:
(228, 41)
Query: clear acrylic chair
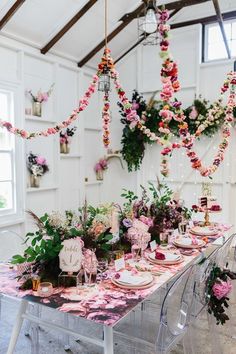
(160, 332)
(220, 257)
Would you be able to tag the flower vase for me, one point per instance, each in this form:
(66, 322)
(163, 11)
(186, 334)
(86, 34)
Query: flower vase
(34, 181)
(99, 175)
(62, 148)
(67, 149)
(37, 109)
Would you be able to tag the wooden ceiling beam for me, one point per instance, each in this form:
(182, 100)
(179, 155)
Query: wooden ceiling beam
(178, 5)
(205, 20)
(221, 24)
(10, 13)
(125, 20)
(68, 26)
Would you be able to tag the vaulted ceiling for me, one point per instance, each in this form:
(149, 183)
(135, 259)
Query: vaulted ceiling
(75, 28)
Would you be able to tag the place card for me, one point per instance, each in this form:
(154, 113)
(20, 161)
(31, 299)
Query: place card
(119, 264)
(153, 245)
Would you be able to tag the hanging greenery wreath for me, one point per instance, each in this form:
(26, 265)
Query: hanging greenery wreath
(134, 140)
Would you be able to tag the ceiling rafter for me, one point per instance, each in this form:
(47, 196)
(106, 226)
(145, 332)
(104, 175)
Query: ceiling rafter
(125, 20)
(221, 24)
(205, 20)
(68, 26)
(10, 13)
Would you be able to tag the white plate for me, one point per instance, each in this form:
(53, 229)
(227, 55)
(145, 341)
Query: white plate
(187, 243)
(204, 231)
(127, 278)
(169, 256)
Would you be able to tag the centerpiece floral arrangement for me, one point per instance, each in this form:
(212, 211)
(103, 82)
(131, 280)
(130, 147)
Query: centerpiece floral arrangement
(159, 211)
(219, 286)
(134, 140)
(37, 167)
(91, 225)
(65, 139)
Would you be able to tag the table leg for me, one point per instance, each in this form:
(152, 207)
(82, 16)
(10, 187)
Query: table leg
(17, 326)
(108, 340)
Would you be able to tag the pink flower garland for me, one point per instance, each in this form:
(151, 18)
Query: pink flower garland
(106, 120)
(83, 103)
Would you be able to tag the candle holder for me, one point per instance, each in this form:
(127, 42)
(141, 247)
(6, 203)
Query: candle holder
(67, 279)
(45, 289)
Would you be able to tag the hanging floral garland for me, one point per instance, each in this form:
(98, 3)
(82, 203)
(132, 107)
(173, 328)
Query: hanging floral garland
(83, 103)
(173, 111)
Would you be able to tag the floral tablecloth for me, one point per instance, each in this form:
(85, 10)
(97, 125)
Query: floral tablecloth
(104, 303)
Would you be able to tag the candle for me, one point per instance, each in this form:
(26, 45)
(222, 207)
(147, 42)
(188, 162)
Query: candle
(235, 65)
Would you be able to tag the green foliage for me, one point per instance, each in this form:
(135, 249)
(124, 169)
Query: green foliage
(217, 306)
(134, 141)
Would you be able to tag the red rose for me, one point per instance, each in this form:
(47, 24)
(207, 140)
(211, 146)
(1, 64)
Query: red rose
(160, 256)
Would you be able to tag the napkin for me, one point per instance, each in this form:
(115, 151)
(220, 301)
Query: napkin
(159, 255)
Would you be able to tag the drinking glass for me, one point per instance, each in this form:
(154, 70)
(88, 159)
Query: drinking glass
(102, 265)
(90, 274)
(182, 227)
(35, 282)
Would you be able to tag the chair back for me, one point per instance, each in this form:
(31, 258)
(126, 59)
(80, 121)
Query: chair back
(11, 243)
(175, 312)
(226, 253)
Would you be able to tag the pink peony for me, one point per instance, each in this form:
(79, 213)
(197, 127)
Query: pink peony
(145, 220)
(41, 160)
(222, 289)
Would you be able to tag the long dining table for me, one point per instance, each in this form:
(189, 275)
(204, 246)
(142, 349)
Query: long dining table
(103, 305)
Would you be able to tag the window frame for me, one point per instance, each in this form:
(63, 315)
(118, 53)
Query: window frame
(205, 42)
(15, 215)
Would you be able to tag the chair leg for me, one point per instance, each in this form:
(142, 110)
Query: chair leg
(34, 327)
(17, 327)
(66, 336)
(214, 335)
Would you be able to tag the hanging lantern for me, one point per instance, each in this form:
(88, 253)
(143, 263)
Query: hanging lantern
(104, 84)
(148, 24)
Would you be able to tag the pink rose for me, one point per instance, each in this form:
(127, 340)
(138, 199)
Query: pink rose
(222, 289)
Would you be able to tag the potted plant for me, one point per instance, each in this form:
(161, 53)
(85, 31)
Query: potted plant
(65, 139)
(38, 99)
(37, 167)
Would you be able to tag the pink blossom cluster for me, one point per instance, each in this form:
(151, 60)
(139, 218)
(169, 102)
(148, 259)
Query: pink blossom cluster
(101, 165)
(222, 289)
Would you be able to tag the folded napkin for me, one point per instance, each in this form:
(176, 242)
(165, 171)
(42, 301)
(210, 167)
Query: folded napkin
(159, 255)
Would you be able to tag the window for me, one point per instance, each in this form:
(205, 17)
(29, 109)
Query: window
(7, 147)
(214, 43)
(11, 153)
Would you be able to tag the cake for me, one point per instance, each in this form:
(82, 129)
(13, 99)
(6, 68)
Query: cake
(209, 202)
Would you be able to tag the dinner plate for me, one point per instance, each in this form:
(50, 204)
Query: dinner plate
(187, 243)
(171, 258)
(132, 287)
(204, 231)
(127, 278)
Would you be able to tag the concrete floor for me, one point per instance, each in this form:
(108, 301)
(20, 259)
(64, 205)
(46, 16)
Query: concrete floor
(53, 343)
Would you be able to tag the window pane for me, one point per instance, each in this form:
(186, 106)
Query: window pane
(216, 51)
(234, 30)
(233, 48)
(5, 166)
(5, 101)
(6, 195)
